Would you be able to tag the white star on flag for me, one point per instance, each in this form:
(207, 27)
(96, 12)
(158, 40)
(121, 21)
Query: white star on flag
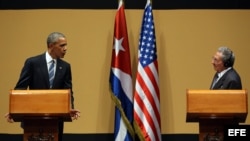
(118, 46)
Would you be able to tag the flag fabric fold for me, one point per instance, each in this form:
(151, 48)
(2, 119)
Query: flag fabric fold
(147, 122)
(121, 79)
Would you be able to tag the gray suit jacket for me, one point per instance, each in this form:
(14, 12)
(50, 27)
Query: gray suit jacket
(230, 80)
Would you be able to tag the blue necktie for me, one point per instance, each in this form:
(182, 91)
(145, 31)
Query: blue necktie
(51, 73)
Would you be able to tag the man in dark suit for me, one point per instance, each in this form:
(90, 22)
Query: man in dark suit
(226, 77)
(35, 72)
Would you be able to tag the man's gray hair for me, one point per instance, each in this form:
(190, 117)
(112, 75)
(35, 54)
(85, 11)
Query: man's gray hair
(53, 37)
(227, 55)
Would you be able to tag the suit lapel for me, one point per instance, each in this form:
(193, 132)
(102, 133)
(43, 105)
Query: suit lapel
(44, 69)
(59, 69)
(219, 84)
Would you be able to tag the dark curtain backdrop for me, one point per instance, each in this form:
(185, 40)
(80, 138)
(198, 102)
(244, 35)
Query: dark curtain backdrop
(129, 4)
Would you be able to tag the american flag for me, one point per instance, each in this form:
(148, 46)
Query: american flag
(121, 79)
(147, 95)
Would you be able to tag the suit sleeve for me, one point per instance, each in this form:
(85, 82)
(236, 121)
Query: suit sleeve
(25, 76)
(68, 85)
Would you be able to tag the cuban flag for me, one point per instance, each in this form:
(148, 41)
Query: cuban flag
(121, 79)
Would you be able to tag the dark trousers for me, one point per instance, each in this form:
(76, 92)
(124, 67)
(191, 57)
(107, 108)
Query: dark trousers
(60, 130)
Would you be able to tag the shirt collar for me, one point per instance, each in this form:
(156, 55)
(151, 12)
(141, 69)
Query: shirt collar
(223, 72)
(49, 58)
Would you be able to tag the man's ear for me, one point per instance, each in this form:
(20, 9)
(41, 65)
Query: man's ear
(50, 46)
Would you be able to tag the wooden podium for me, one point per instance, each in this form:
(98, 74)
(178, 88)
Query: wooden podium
(39, 111)
(214, 109)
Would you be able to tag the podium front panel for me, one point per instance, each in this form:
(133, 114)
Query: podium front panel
(216, 104)
(39, 104)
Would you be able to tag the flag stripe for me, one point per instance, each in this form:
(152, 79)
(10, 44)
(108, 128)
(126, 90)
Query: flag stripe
(124, 79)
(153, 76)
(146, 117)
(121, 135)
(154, 71)
(143, 124)
(146, 101)
(144, 78)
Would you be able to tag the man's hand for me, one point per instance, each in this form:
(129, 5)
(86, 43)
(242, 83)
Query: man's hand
(8, 118)
(75, 114)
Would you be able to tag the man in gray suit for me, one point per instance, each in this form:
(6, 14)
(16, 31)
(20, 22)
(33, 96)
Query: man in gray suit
(35, 72)
(226, 77)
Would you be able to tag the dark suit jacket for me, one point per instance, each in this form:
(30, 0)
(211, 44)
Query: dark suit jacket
(34, 75)
(230, 80)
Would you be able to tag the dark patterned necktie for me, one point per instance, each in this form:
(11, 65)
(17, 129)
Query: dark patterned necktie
(215, 80)
(51, 73)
